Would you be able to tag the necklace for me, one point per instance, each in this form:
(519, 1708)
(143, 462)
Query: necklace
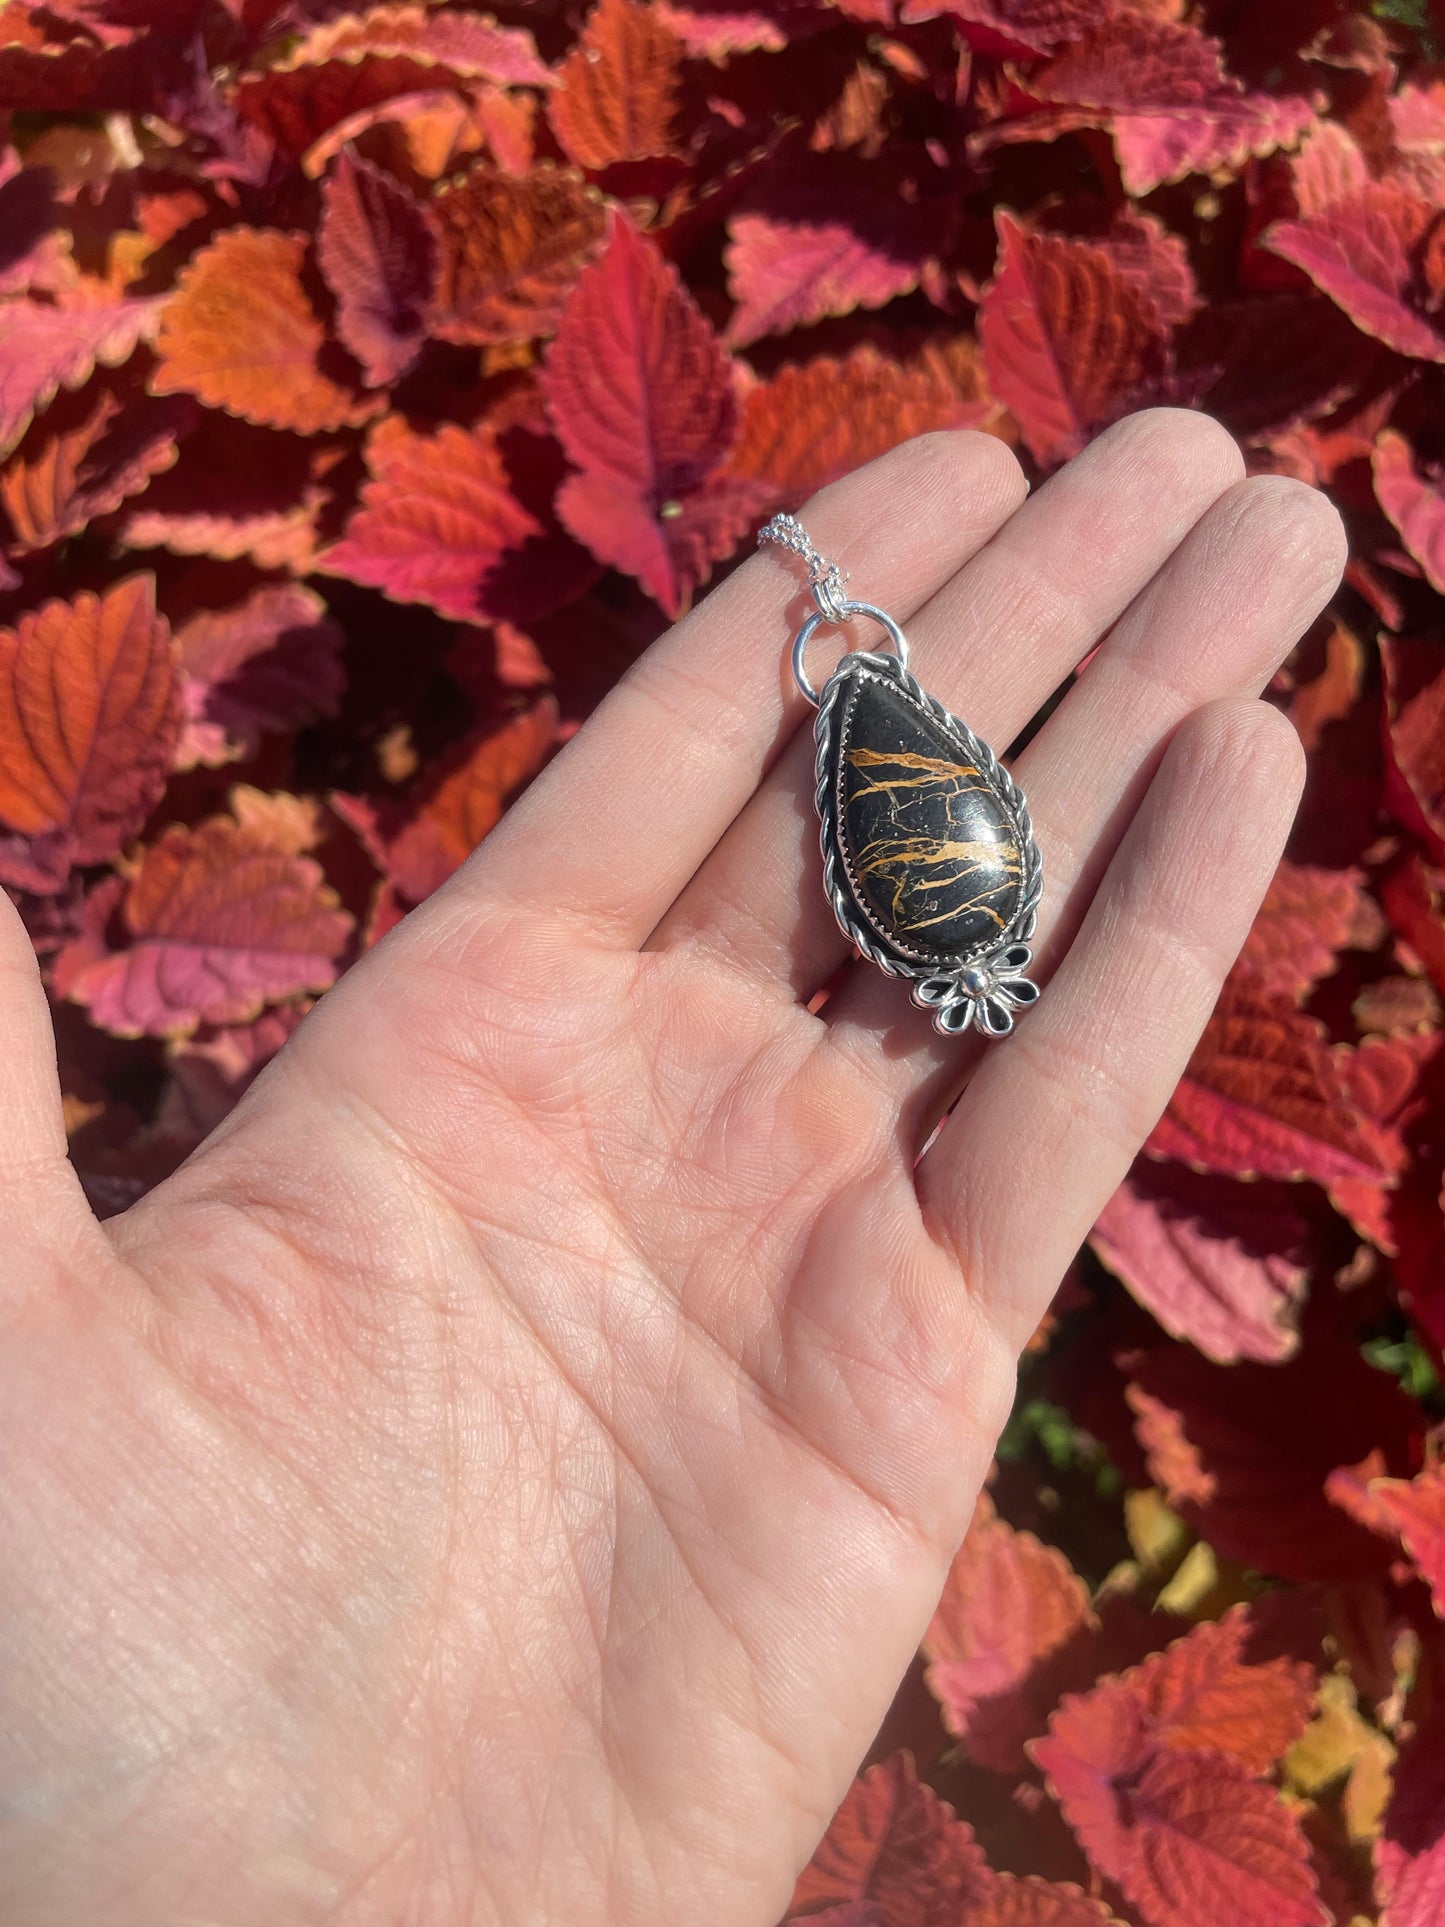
(929, 858)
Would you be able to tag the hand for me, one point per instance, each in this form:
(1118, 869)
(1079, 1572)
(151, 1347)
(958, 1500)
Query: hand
(502, 1477)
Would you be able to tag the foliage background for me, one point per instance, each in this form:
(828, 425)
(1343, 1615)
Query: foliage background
(373, 388)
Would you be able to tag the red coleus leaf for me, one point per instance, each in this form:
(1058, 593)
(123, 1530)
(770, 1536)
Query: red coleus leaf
(240, 333)
(827, 237)
(618, 89)
(44, 348)
(512, 250)
(1186, 1835)
(1417, 123)
(438, 522)
(1413, 502)
(1010, 1603)
(1068, 340)
(271, 662)
(235, 491)
(640, 392)
(815, 421)
(1262, 1097)
(1216, 1262)
(1363, 252)
(1245, 1452)
(1387, 1082)
(1414, 902)
(84, 456)
(1170, 105)
(377, 248)
(1308, 916)
(1415, 738)
(1156, 263)
(463, 801)
(1328, 168)
(714, 29)
(1205, 1692)
(32, 251)
(1410, 1854)
(1415, 1508)
(88, 717)
(348, 65)
(895, 1853)
(1015, 1901)
(214, 923)
(1015, 27)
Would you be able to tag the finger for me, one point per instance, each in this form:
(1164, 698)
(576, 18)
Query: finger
(994, 643)
(34, 1164)
(1216, 621)
(618, 823)
(1060, 1114)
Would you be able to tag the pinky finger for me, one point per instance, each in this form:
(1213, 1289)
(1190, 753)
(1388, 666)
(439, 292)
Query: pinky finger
(1055, 1117)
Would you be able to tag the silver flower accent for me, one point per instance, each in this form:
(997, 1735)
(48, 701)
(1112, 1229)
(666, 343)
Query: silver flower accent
(984, 995)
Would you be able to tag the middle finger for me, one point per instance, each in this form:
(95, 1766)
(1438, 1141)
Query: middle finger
(992, 644)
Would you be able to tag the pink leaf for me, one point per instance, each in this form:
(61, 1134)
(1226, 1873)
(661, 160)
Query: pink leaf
(1361, 253)
(1413, 502)
(44, 348)
(377, 248)
(1172, 108)
(1410, 1854)
(829, 238)
(1217, 1263)
(216, 922)
(271, 662)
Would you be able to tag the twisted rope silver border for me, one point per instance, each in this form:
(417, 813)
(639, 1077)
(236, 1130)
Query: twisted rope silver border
(852, 920)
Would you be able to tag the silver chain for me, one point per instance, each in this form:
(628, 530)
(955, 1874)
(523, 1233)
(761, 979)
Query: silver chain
(826, 580)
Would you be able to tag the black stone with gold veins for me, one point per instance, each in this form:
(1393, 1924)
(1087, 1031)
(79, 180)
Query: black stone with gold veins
(932, 850)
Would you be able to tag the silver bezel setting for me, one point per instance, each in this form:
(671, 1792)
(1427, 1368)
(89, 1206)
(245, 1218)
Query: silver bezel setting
(983, 988)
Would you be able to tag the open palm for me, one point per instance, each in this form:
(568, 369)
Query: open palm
(504, 1474)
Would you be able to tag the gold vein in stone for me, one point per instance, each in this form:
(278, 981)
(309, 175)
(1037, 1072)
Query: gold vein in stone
(900, 861)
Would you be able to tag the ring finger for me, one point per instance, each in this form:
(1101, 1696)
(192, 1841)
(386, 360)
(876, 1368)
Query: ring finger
(1216, 622)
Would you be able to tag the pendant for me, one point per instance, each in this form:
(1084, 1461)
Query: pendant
(929, 858)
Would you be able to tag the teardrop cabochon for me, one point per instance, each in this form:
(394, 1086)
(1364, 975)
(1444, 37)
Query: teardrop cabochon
(929, 851)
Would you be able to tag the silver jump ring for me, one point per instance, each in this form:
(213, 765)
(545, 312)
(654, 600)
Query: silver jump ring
(845, 609)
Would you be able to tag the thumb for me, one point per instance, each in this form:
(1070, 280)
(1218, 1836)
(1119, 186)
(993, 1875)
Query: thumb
(33, 1160)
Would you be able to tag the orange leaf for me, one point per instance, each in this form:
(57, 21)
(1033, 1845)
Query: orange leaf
(89, 710)
(617, 91)
(1203, 1691)
(1416, 1509)
(511, 250)
(84, 457)
(240, 333)
(817, 420)
(469, 800)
